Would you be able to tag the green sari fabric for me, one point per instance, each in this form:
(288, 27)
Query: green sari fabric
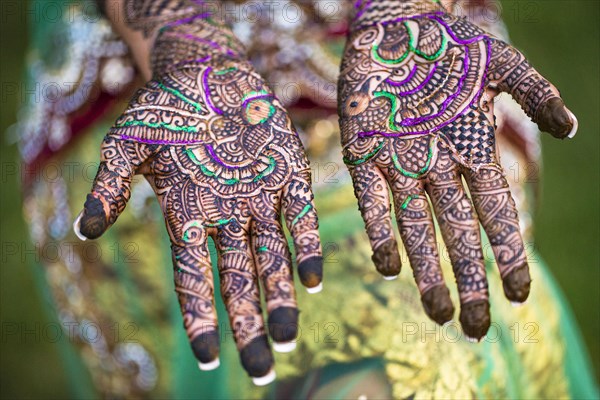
(362, 337)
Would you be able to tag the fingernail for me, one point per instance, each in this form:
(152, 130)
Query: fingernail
(284, 347)
(310, 271)
(315, 289)
(471, 340)
(76, 227)
(265, 380)
(209, 366)
(391, 278)
(517, 304)
(573, 132)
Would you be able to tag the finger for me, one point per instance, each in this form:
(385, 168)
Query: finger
(240, 291)
(460, 231)
(301, 219)
(509, 71)
(418, 235)
(112, 187)
(272, 258)
(371, 190)
(195, 291)
(553, 117)
(498, 215)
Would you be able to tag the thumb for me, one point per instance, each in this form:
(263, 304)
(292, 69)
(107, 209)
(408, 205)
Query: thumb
(111, 188)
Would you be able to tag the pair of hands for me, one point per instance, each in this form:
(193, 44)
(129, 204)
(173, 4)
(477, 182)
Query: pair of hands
(416, 114)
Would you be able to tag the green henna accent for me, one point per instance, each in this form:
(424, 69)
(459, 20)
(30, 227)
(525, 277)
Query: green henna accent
(232, 181)
(364, 159)
(266, 171)
(181, 96)
(262, 249)
(254, 94)
(192, 156)
(206, 171)
(195, 224)
(302, 213)
(422, 171)
(185, 234)
(411, 48)
(407, 201)
(174, 128)
(394, 100)
(441, 50)
(230, 249)
(262, 120)
(226, 71)
(220, 222)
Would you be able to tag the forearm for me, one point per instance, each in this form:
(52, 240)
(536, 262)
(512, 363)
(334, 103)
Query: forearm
(161, 38)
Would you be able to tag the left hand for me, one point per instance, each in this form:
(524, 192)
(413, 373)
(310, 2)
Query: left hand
(416, 113)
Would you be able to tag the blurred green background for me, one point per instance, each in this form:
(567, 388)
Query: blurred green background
(561, 38)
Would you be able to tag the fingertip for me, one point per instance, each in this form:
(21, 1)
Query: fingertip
(91, 223)
(517, 284)
(206, 348)
(283, 324)
(475, 319)
(387, 259)
(256, 357)
(438, 305)
(310, 272)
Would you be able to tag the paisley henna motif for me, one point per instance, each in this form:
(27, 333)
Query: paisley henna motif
(225, 161)
(416, 113)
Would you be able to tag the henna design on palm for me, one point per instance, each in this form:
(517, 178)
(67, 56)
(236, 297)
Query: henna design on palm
(225, 161)
(416, 113)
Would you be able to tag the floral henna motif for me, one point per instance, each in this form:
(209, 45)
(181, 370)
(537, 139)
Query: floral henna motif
(225, 161)
(416, 112)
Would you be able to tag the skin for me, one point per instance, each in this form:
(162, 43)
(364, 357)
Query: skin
(225, 162)
(416, 110)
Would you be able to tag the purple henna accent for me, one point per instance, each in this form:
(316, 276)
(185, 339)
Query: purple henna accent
(454, 37)
(212, 44)
(156, 141)
(404, 81)
(198, 60)
(446, 103)
(188, 20)
(422, 84)
(207, 91)
(216, 158)
(460, 114)
(357, 5)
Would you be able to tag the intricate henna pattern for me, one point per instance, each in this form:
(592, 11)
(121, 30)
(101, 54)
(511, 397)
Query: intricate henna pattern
(225, 161)
(416, 113)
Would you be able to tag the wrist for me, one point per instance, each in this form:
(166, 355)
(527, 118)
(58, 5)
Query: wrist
(191, 41)
(370, 12)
